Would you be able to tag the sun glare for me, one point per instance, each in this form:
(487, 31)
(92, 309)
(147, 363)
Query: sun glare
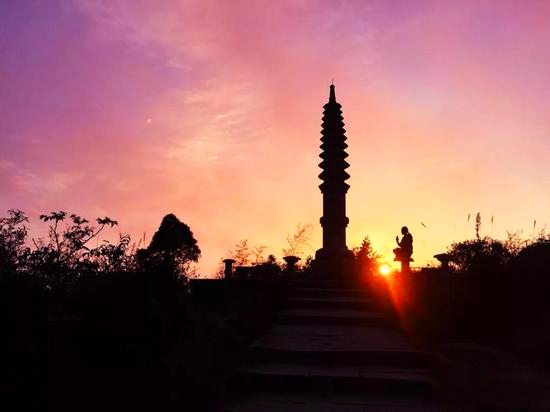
(384, 269)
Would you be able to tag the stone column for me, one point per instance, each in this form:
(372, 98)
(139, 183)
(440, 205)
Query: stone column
(228, 270)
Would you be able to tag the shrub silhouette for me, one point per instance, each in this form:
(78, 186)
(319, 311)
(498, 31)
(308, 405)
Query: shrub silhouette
(478, 255)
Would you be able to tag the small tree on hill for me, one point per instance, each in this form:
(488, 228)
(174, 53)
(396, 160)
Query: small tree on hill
(172, 248)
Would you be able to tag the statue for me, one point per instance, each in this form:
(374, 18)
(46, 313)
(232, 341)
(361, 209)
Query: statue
(404, 252)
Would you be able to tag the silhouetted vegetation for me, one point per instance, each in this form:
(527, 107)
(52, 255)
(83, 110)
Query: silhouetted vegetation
(95, 325)
(116, 326)
(495, 293)
(299, 240)
(366, 257)
(172, 250)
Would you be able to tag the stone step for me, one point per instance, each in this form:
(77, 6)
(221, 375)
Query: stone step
(402, 359)
(269, 401)
(324, 316)
(351, 303)
(336, 345)
(389, 381)
(329, 284)
(332, 338)
(330, 292)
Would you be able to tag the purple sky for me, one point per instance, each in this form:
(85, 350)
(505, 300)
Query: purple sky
(212, 110)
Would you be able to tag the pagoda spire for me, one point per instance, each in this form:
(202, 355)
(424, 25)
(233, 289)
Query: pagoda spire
(333, 176)
(332, 97)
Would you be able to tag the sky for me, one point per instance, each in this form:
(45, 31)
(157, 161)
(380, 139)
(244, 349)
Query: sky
(211, 110)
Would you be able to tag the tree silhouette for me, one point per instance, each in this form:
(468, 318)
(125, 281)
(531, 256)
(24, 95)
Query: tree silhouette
(173, 248)
(175, 237)
(258, 253)
(478, 255)
(13, 233)
(366, 256)
(241, 253)
(298, 241)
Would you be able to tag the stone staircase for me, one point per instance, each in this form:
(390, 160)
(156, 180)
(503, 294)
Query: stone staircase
(329, 349)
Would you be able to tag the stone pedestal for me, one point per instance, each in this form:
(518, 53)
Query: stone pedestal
(291, 263)
(228, 269)
(334, 264)
(405, 264)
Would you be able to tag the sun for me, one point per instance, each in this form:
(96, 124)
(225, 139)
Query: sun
(384, 269)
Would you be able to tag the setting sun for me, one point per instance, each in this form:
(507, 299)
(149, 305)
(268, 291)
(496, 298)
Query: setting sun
(384, 269)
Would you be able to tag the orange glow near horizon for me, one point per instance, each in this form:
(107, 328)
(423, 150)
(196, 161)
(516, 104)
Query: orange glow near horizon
(211, 110)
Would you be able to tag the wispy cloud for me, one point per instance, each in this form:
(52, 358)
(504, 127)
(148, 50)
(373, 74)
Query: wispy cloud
(212, 109)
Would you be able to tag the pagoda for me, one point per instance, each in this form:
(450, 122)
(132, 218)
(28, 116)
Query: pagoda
(334, 252)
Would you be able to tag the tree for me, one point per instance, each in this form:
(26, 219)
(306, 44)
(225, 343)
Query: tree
(514, 243)
(478, 255)
(534, 256)
(298, 241)
(113, 258)
(173, 247)
(69, 246)
(63, 256)
(13, 234)
(366, 256)
(241, 253)
(258, 253)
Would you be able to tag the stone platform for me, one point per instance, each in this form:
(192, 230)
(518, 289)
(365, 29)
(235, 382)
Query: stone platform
(330, 349)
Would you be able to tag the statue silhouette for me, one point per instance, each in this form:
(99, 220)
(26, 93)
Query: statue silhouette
(405, 249)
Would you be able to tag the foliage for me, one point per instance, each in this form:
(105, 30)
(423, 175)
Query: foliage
(299, 240)
(175, 236)
(63, 255)
(478, 225)
(533, 261)
(267, 269)
(478, 255)
(496, 286)
(241, 253)
(514, 243)
(308, 263)
(173, 248)
(366, 256)
(110, 258)
(258, 254)
(13, 233)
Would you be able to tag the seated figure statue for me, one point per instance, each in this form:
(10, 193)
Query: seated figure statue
(404, 252)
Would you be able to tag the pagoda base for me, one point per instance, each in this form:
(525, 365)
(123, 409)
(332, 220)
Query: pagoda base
(334, 264)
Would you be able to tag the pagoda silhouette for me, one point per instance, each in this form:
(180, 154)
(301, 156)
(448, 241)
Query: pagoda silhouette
(334, 257)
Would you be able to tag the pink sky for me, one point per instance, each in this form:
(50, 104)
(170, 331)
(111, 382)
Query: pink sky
(211, 110)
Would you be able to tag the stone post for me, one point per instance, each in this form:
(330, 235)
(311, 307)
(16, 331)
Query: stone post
(228, 270)
(405, 266)
(291, 263)
(444, 259)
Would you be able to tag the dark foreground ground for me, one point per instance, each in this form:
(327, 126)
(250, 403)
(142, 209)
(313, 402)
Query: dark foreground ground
(136, 342)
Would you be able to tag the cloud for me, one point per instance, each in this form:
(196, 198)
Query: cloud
(439, 99)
